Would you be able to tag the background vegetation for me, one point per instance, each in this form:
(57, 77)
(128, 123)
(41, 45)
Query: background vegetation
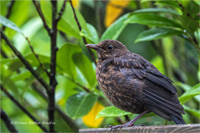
(44, 59)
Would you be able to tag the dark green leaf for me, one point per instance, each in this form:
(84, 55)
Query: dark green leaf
(64, 58)
(85, 66)
(115, 29)
(192, 92)
(152, 20)
(111, 112)
(155, 10)
(156, 33)
(80, 104)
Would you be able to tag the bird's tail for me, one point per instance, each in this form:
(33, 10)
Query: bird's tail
(177, 120)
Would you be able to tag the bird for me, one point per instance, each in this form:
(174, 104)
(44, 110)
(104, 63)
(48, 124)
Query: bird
(131, 83)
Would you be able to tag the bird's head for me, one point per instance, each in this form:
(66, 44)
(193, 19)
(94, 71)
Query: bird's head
(108, 49)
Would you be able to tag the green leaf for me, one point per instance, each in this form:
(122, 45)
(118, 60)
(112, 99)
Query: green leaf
(6, 22)
(192, 111)
(190, 11)
(168, 3)
(152, 20)
(156, 33)
(93, 38)
(186, 87)
(111, 112)
(155, 10)
(64, 58)
(80, 104)
(115, 29)
(192, 92)
(85, 66)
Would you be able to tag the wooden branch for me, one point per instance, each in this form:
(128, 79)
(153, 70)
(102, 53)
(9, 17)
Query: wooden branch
(23, 109)
(62, 114)
(80, 29)
(52, 79)
(37, 57)
(7, 121)
(24, 61)
(37, 6)
(61, 10)
(188, 128)
(78, 84)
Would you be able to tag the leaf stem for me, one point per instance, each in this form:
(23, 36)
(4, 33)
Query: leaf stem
(80, 29)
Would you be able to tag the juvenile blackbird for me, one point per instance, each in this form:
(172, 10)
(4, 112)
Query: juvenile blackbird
(133, 84)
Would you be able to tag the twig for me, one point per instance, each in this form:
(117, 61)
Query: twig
(78, 84)
(23, 109)
(37, 57)
(24, 61)
(7, 121)
(61, 10)
(62, 114)
(80, 29)
(9, 11)
(42, 16)
(3, 53)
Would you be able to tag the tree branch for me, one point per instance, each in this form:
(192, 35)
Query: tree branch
(37, 57)
(80, 29)
(24, 61)
(61, 10)
(7, 121)
(3, 53)
(78, 84)
(23, 109)
(52, 79)
(62, 114)
(37, 6)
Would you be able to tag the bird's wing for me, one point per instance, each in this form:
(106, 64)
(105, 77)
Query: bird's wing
(158, 92)
(144, 69)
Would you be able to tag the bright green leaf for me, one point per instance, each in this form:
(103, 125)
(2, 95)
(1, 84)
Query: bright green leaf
(93, 38)
(80, 104)
(152, 20)
(192, 111)
(168, 3)
(111, 112)
(155, 10)
(64, 58)
(85, 66)
(67, 22)
(115, 29)
(156, 33)
(192, 92)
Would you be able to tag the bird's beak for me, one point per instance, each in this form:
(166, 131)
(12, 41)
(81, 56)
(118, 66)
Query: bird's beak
(93, 46)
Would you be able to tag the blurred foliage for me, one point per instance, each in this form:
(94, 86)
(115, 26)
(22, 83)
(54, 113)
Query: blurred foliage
(167, 33)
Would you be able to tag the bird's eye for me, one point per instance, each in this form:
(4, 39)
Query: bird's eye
(110, 47)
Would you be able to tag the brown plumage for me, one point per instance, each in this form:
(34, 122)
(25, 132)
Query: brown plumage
(133, 84)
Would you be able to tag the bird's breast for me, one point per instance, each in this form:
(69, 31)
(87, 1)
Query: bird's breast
(117, 83)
